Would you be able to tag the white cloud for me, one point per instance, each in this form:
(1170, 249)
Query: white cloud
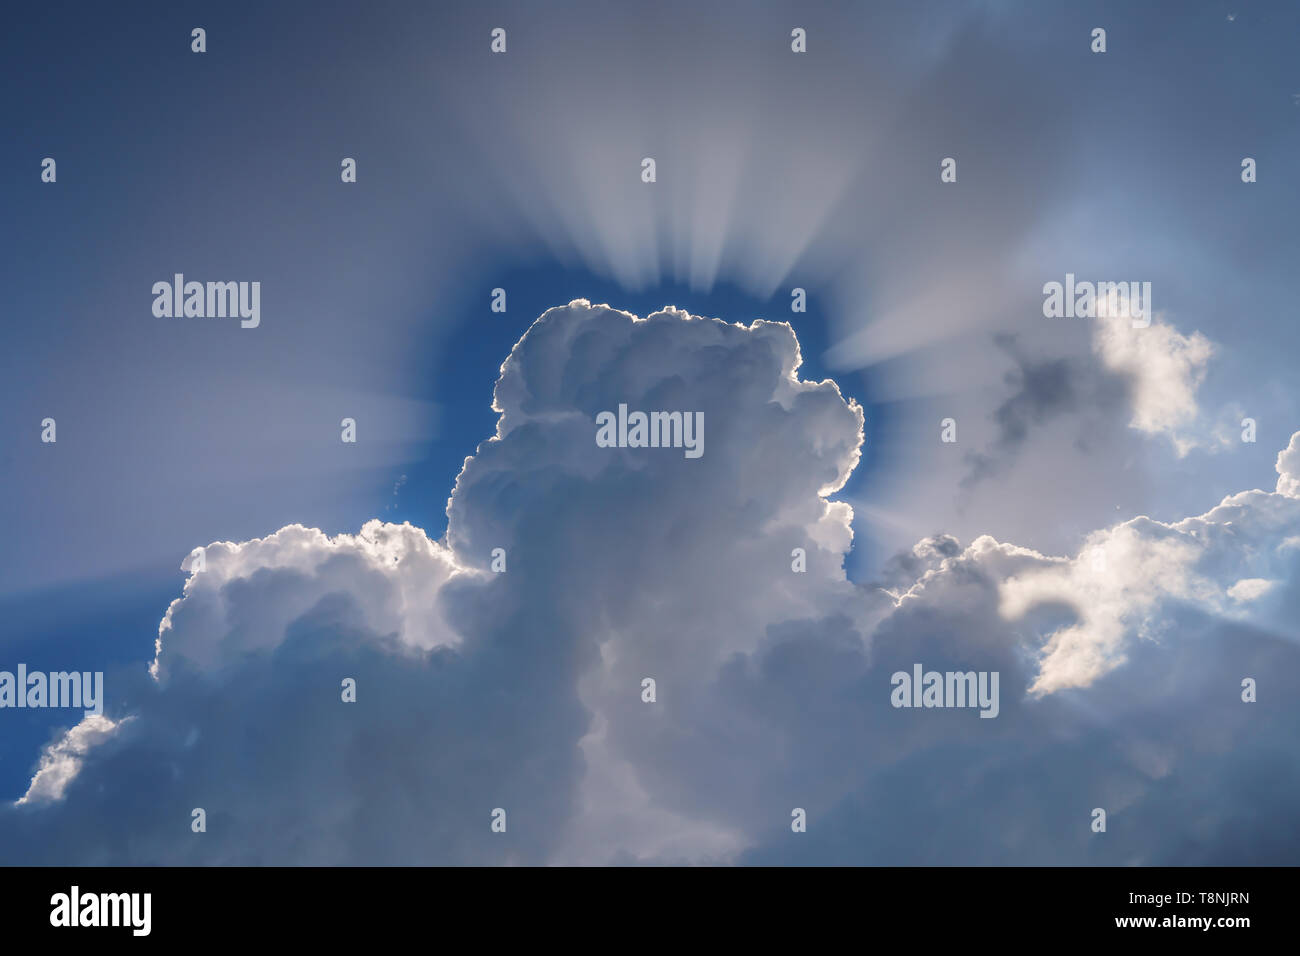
(62, 759)
(1125, 579)
(619, 564)
(1249, 589)
(394, 571)
(1164, 366)
(523, 689)
(1288, 468)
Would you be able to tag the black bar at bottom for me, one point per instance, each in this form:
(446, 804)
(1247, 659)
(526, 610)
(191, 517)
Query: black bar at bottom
(334, 906)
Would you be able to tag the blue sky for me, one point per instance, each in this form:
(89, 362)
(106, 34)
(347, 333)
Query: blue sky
(775, 170)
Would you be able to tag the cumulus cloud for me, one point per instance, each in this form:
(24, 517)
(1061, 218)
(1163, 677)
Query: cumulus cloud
(62, 759)
(523, 690)
(394, 571)
(1164, 366)
(1126, 575)
(1288, 468)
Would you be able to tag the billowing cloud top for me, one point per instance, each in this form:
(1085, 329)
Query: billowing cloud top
(505, 665)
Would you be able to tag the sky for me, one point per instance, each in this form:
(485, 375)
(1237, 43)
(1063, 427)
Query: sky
(1099, 534)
